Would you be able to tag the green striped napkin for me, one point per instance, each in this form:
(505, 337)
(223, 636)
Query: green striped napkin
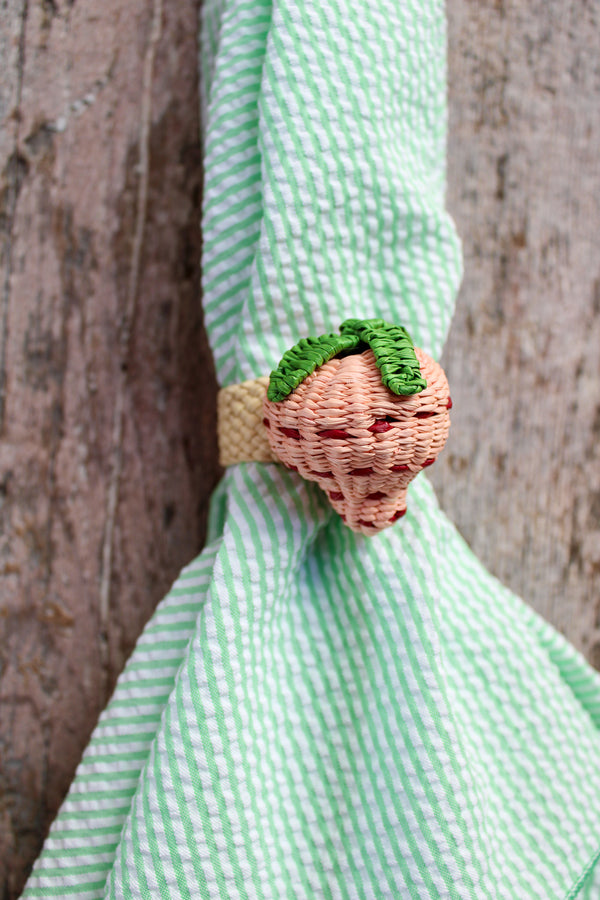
(312, 713)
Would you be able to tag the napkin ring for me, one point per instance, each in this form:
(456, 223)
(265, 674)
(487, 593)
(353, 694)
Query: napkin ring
(361, 413)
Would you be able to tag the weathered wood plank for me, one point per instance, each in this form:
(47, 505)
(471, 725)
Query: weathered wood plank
(521, 473)
(107, 431)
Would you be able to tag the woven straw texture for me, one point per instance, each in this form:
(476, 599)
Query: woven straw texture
(357, 440)
(313, 713)
(241, 433)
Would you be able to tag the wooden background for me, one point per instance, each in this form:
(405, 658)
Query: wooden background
(521, 473)
(107, 447)
(107, 412)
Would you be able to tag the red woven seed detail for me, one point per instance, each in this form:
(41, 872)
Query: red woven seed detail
(336, 495)
(322, 474)
(334, 433)
(367, 471)
(398, 515)
(449, 404)
(428, 462)
(266, 423)
(293, 468)
(376, 495)
(366, 524)
(425, 414)
(402, 468)
(291, 433)
(380, 427)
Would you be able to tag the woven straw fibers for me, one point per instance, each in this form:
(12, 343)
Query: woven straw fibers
(361, 443)
(242, 436)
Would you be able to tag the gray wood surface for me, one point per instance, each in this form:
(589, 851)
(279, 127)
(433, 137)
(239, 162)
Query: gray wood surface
(107, 422)
(521, 472)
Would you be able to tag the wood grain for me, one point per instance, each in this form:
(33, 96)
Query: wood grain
(521, 472)
(107, 414)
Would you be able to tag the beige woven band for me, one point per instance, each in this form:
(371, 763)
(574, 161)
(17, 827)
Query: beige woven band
(242, 435)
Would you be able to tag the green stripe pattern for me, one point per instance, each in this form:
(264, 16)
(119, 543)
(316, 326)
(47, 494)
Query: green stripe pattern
(312, 713)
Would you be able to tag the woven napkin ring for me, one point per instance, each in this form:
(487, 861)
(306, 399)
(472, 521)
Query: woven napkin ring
(360, 412)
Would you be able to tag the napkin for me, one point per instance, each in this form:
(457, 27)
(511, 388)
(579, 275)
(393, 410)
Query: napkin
(312, 713)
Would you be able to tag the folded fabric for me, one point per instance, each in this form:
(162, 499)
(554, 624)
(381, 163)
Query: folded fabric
(313, 713)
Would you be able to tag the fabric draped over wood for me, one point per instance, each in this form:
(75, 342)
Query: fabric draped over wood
(311, 712)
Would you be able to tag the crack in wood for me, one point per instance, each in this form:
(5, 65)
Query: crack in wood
(112, 497)
(14, 172)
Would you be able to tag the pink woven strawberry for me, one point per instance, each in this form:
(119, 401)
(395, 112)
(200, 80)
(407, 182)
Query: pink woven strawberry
(361, 413)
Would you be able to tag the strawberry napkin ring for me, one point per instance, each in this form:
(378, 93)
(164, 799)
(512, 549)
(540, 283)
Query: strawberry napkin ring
(361, 413)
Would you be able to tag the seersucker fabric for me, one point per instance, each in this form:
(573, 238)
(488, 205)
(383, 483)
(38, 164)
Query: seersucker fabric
(310, 712)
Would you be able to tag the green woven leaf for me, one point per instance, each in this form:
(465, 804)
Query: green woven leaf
(391, 345)
(302, 360)
(394, 353)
